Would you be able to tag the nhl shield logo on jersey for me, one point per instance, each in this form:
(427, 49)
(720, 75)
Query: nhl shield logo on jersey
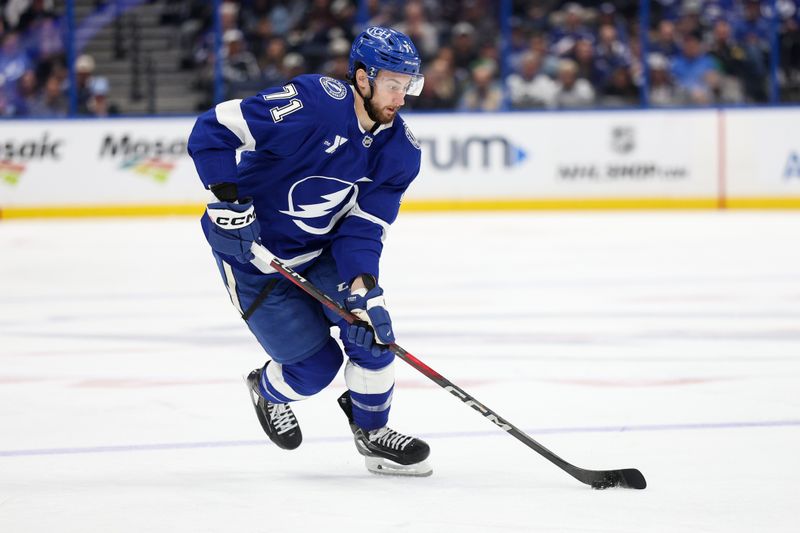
(410, 136)
(334, 88)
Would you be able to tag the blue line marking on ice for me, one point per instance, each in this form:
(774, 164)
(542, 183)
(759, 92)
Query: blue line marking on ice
(446, 435)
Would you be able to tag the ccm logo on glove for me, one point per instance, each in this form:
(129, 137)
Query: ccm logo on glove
(223, 218)
(233, 228)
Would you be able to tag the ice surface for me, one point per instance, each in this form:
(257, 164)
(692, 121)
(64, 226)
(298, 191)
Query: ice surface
(668, 342)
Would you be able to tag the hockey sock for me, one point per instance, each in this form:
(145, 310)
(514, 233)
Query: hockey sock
(371, 394)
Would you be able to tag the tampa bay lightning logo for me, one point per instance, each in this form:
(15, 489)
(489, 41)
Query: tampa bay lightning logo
(316, 203)
(334, 88)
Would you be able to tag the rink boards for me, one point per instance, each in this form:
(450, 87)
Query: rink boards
(682, 159)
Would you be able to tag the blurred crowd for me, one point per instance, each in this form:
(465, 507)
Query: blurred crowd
(555, 54)
(34, 78)
(558, 54)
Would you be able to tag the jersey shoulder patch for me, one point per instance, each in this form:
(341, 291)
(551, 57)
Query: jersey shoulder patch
(333, 87)
(410, 136)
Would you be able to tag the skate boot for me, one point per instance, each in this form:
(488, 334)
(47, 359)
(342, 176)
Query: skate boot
(277, 419)
(385, 450)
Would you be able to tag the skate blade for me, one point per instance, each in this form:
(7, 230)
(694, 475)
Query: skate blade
(385, 467)
(250, 392)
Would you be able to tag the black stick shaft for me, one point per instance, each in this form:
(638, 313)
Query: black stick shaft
(624, 478)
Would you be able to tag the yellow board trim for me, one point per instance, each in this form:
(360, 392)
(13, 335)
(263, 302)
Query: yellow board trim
(525, 204)
(763, 203)
(86, 211)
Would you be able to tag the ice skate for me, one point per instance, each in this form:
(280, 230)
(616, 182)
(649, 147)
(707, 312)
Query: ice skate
(385, 450)
(277, 419)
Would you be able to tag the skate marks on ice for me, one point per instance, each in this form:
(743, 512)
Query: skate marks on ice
(664, 341)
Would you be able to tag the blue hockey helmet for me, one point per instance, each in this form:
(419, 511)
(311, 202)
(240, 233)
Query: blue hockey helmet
(378, 48)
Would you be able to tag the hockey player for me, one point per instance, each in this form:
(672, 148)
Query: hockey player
(324, 165)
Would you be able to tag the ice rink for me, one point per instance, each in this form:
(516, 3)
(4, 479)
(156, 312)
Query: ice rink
(668, 342)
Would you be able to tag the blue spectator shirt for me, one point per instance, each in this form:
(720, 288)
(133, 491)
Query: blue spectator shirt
(691, 72)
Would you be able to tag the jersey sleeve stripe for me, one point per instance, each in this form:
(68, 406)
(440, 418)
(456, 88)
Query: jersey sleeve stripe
(358, 212)
(229, 114)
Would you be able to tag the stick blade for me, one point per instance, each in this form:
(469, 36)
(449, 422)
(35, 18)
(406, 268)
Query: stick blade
(631, 478)
(627, 478)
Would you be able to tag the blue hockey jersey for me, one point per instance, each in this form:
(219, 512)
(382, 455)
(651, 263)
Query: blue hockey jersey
(318, 180)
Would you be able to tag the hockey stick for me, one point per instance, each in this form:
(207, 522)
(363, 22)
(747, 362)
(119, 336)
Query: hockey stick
(629, 478)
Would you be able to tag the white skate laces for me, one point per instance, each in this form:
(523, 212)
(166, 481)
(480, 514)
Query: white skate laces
(282, 417)
(389, 438)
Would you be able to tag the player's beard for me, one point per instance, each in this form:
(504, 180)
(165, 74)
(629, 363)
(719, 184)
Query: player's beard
(376, 113)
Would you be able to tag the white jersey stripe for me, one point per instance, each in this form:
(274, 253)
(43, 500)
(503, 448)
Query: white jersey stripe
(230, 282)
(274, 376)
(358, 212)
(229, 114)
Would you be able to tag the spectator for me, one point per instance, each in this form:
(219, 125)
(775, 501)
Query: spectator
(314, 32)
(571, 30)
(666, 9)
(537, 17)
(271, 62)
(238, 65)
(662, 92)
(480, 15)
(620, 90)
(588, 67)
(517, 43)
(440, 90)
(14, 62)
(731, 59)
(752, 32)
(539, 44)
(530, 87)
(293, 65)
(256, 17)
(464, 45)
(665, 41)
(338, 59)
(416, 25)
(37, 11)
(229, 16)
(789, 42)
(690, 70)
(193, 36)
(24, 98)
(753, 29)
(571, 91)
(611, 53)
(84, 70)
(380, 13)
(689, 21)
(285, 16)
(608, 15)
(47, 39)
(52, 102)
(484, 93)
(98, 104)
(259, 37)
